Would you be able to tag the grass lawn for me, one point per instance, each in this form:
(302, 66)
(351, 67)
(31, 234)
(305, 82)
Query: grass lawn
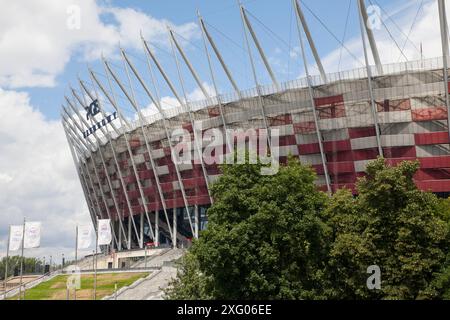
(55, 289)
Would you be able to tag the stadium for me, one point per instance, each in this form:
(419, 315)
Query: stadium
(335, 122)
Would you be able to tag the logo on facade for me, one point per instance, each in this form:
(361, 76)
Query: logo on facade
(92, 109)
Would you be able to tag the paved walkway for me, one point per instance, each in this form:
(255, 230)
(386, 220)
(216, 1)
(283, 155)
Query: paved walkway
(152, 287)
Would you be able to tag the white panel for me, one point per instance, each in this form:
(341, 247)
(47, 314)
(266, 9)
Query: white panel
(184, 166)
(115, 184)
(408, 90)
(162, 170)
(432, 150)
(364, 143)
(306, 138)
(139, 158)
(311, 159)
(360, 166)
(363, 120)
(397, 128)
(394, 116)
(176, 185)
(356, 109)
(236, 117)
(120, 147)
(214, 178)
(288, 150)
(107, 154)
(397, 140)
(284, 130)
(426, 102)
(211, 122)
(335, 123)
(142, 149)
(333, 135)
(111, 169)
(429, 126)
(302, 117)
(157, 154)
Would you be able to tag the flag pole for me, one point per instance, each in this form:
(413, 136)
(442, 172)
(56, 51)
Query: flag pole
(21, 260)
(6, 262)
(76, 259)
(76, 244)
(95, 265)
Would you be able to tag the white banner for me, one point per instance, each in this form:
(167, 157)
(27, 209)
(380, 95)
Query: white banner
(104, 232)
(15, 237)
(32, 237)
(84, 237)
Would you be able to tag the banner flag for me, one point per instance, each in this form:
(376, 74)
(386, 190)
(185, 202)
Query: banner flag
(32, 235)
(84, 236)
(104, 232)
(15, 238)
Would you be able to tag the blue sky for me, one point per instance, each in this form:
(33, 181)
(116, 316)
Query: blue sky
(40, 56)
(224, 15)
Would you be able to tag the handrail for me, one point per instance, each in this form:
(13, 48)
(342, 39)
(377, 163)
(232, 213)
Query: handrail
(28, 283)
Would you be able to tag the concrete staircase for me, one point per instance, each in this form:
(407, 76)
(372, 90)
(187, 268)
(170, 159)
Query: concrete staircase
(14, 282)
(141, 262)
(151, 287)
(159, 260)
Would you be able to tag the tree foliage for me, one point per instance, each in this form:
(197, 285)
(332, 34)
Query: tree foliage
(30, 265)
(190, 283)
(390, 224)
(278, 237)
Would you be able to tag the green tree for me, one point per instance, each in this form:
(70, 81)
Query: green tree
(190, 283)
(440, 285)
(390, 224)
(265, 238)
(277, 237)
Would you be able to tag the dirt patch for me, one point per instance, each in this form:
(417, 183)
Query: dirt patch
(59, 285)
(108, 279)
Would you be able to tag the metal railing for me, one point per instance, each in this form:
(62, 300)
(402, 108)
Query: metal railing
(29, 285)
(428, 64)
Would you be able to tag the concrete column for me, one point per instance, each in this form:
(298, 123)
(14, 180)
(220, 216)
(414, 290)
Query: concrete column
(174, 223)
(196, 219)
(156, 240)
(120, 239)
(142, 231)
(129, 231)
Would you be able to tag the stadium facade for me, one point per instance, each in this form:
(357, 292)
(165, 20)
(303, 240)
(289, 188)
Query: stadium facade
(336, 123)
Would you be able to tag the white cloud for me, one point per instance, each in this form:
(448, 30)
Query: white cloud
(168, 102)
(426, 32)
(132, 22)
(37, 176)
(36, 42)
